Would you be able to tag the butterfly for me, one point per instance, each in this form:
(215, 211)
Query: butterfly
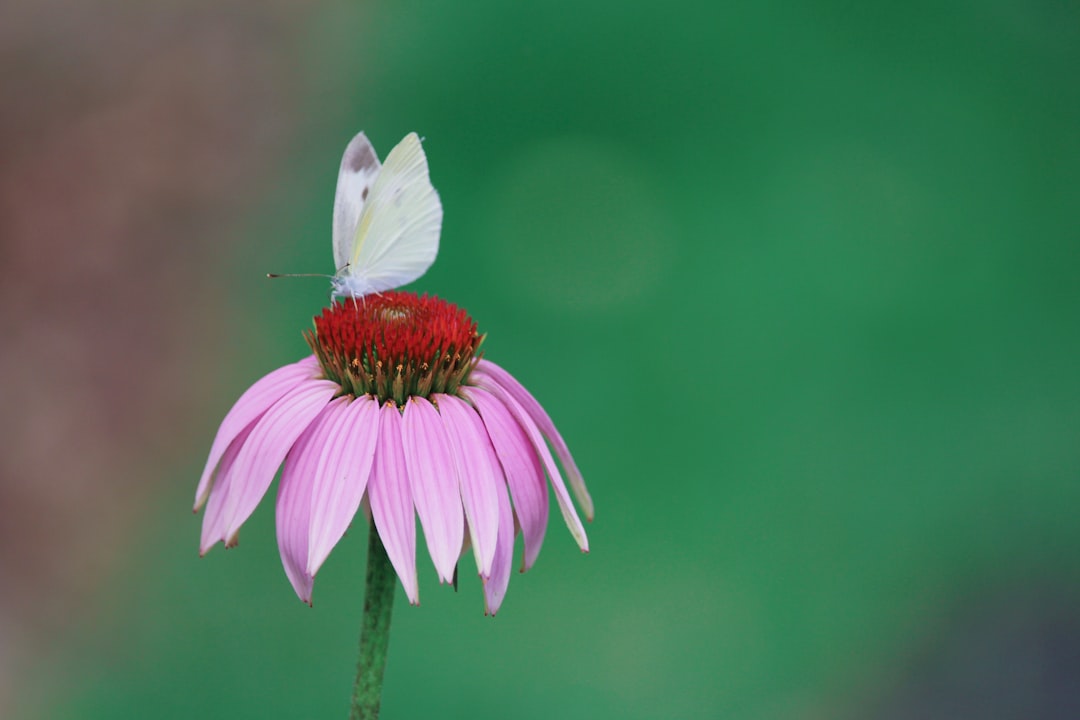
(387, 218)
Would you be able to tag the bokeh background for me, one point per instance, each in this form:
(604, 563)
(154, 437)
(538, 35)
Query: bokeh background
(798, 283)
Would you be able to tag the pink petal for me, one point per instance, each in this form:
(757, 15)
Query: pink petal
(266, 447)
(213, 528)
(434, 484)
(251, 405)
(496, 374)
(526, 423)
(341, 478)
(521, 466)
(391, 501)
(293, 517)
(478, 475)
(495, 586)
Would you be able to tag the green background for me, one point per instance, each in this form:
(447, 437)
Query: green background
(798, 286)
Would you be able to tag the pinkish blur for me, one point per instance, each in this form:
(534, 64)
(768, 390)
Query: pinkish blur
(129, 135)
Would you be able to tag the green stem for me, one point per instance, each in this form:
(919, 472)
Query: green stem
(374, 631)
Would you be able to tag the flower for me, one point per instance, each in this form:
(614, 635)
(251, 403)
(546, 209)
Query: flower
(396, 411)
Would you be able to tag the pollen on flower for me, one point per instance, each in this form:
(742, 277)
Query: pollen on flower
(395, 345)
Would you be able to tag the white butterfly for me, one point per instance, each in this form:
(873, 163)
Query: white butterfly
(387, 218)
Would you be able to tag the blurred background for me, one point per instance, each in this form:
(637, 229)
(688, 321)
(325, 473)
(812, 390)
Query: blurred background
(798, 285)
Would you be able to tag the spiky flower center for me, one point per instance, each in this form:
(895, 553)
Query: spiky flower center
(395, 345)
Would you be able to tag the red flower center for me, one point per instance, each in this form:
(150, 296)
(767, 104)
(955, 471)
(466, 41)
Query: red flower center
(395, 344)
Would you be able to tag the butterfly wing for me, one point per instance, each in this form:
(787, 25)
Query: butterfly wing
(397, 236)
(359, 169)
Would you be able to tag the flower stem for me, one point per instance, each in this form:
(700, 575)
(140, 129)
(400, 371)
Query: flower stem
(374, 631)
